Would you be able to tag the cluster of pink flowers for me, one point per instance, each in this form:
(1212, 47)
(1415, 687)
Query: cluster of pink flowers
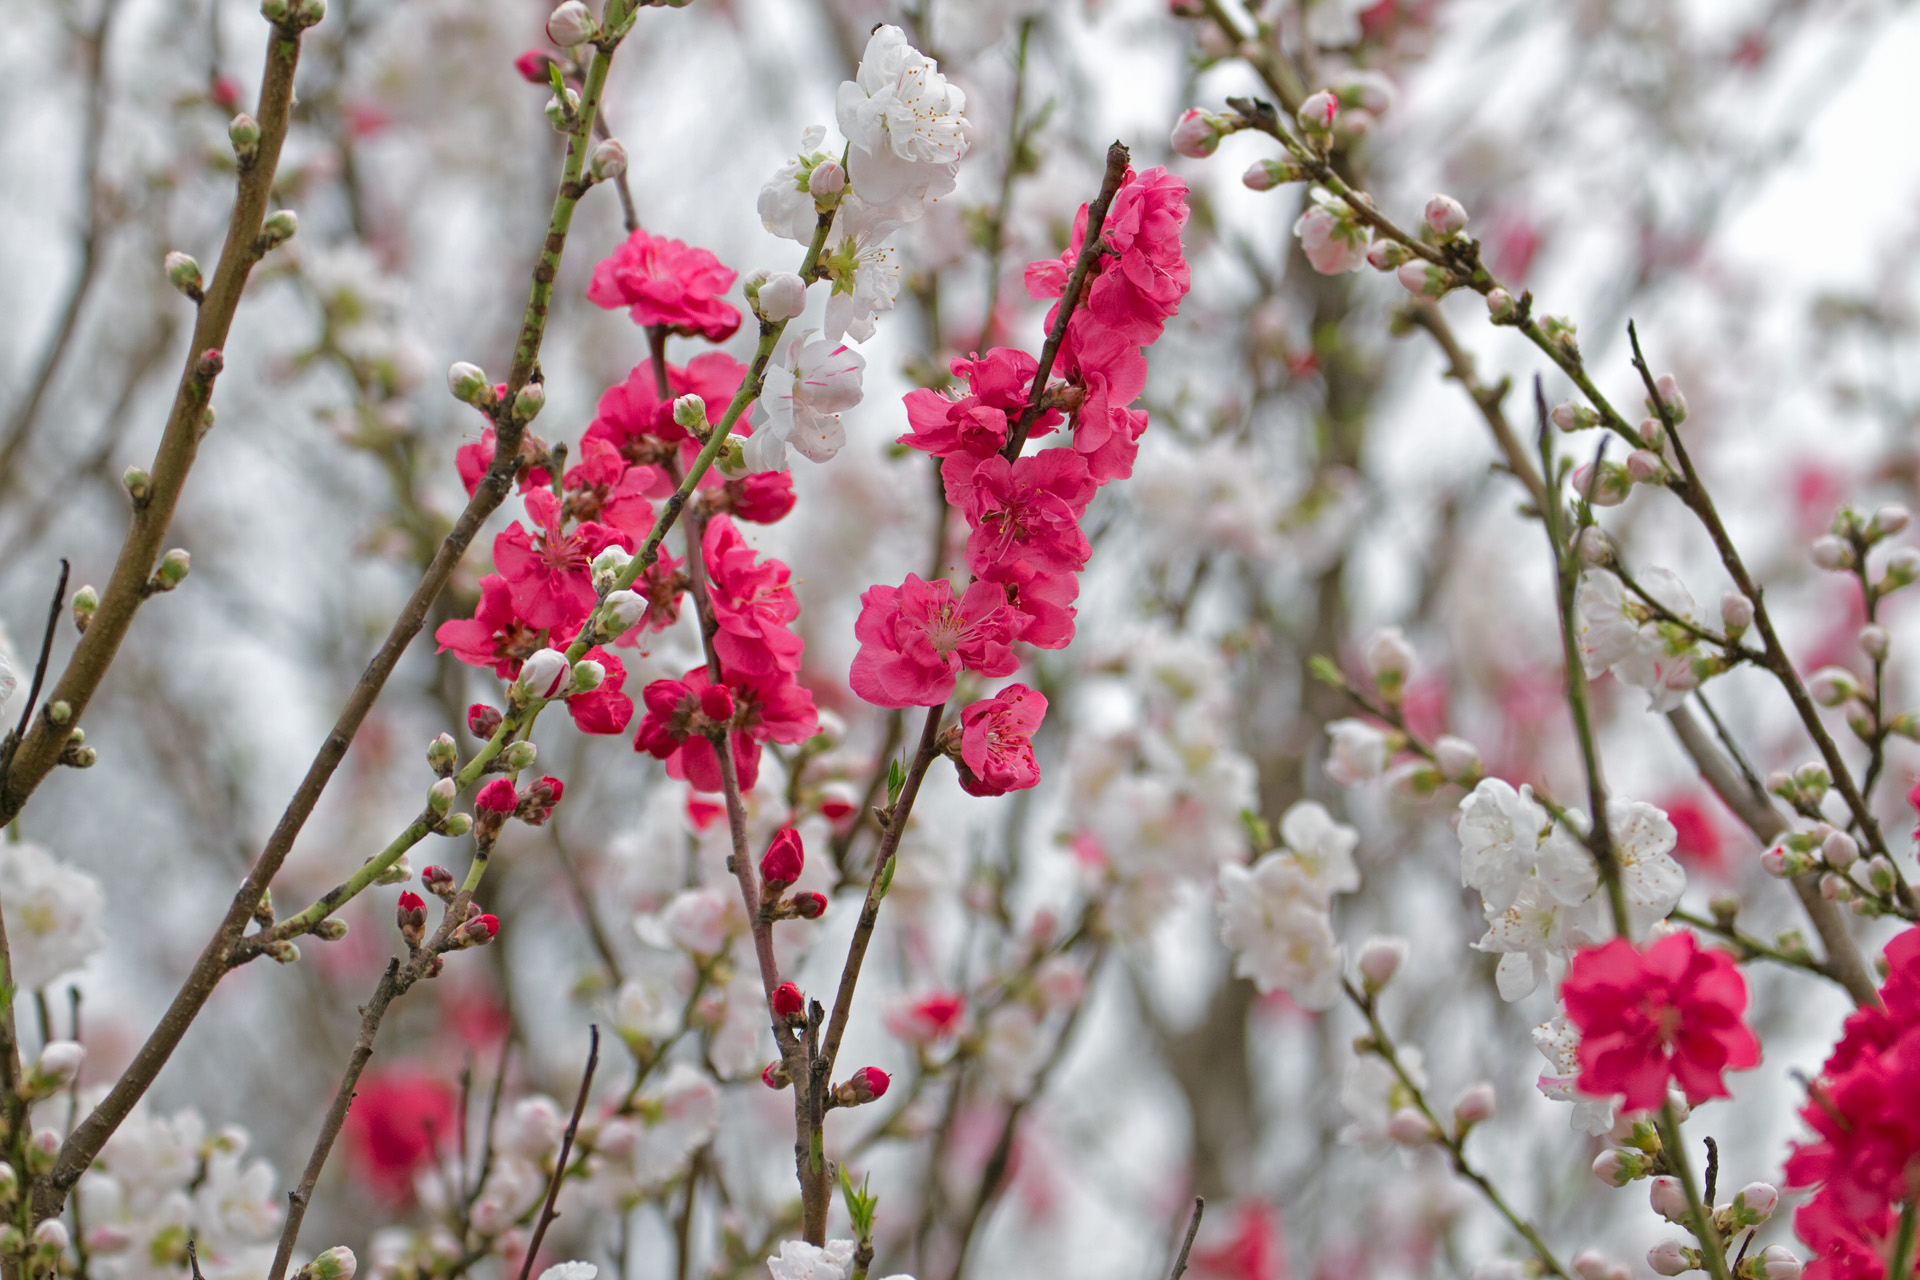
(632, 455)
(1865, 1111)
(1024, 543)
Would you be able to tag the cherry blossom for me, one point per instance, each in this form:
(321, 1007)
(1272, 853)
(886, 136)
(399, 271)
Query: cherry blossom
(903, 124)
(808, 386)
(1333, 237)
(52, 913)
(668, 283)
(916, 638)
(996, 747)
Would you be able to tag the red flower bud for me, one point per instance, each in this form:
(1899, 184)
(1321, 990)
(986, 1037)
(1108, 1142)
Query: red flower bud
(498, 797)
(532, 66)
(788, 1002)
(536, 805)
(776, 1075)
(482, 720)
(438, 881)
(809, 906)
(864, 1085)
(210, 363)
(716, 703)
(480, 930)
(411, 915)
(781, 864)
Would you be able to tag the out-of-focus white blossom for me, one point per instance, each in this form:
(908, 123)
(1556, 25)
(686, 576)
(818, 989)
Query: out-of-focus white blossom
(52, 913)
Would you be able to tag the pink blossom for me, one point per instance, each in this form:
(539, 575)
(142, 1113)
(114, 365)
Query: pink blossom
(633, 418)
(665, 282)
(752, 604)
(761, 497)
(1026, 509)
(1139, 287)
(978, 424)
(915, 638)
(996, 742)
(495, 636)
(1043, 597)
(929, 1019)
(605, 489)
(472, 459)
(681, 713)
(548, 573)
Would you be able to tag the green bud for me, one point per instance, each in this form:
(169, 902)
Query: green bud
(86, 602)
(442, 755)
(440, 796)
(279, 227)
(517, 756)
(399, 872)
(60, 712)
(283, 952)
(139, 484)
(173, 569)
(457, 824)
(243, 130)
(332, 929)
(183, 273)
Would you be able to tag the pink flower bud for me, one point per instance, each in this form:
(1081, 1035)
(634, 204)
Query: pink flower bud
(570, 24)
(50, 1236)
(1736, 611)
(1197, 134)
(788, 1002)
(498, 797)
(1645, 466)
(1617, 1166)
(1669, 1200)
(537, 802)
(545, 673)
(1569, 416)
(480, 930)
(1424, 279)
(1386, 255)
(1754, 1203)
(482, 720)
(838, 802)
(1593, 546)
(862, 1086)
(1667, 387)
(780, 866)
(1774, 861)
(410, 914)
(827, 180)
(1591, 1264)
(1445, 216)
(716, 703)
(1608, 488)
(532, 66)
(1840, 850)
(1409, 1127)
(1778, 1263)
(1500, 304)
(783, 295)
(1669, 1258)
(1379, 960)
(438, 881)
(776, 1076)
(1317, 112)
(809, 906)
(1474, 1105)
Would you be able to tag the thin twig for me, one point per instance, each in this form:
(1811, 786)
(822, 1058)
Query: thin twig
(1186, 1246)
(547, 1211)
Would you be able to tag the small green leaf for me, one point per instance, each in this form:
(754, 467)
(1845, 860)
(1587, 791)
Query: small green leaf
(1326, 671)
(1257, 830)
(896, 780)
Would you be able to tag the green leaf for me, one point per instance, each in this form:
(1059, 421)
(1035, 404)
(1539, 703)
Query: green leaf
(1326, 671)
(896, 780)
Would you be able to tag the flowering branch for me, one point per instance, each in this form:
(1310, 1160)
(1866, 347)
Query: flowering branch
(1699, 1213)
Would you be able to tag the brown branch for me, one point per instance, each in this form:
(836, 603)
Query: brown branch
(547, 1211)
(1186, 1246)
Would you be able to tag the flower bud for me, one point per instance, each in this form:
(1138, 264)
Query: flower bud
(625, 609)
(1317, 112)
(1410, 1128)
(788, 1002)
(456, 825)
(469, 384)
(1592, 545)
(1475, 1104)
(776, 1076)
(529, 401)
(864, 1085)
(498, 797)
(1887, 521)
(442, 755)
(1836, 888)
(1667, 387)
(1778, 1263)
(173, 569)
(332, 929)
(440, 796)
(86, 602)
(1831, 686)
(439, 882)
(1880, 875)
(1668, 1198)
(410, 914)
(50, 1237)
(571, 24)
(1389, 657)
(1831, 552)
(826, 183)
(1754, 1203)
(1873, 641)
(533, 66)
(1608, 487)
(808, 906)
(1903, 569)
(1736, 612)
(588, 675)
(1500, 305)
(1591, 1264)
(607, 568)
(1424, 279)
(1671, 1258)
(538, 801)
(42, 1149)
(279, 227)
(1840, 850)
(1645, 466)
(183, 273)
(690, 414)
(1617, 1166)
(716, 703)
(1386, 255)
(479, 931)
(608, 160)
(562, 109)
(337, 1263)
(1445, 217)
(55, 1069)
(783, 295)
(9, 1185)
(482, 720)
(1265, 175)
(1569, 416)
(784, 859)
(518, 756)
(244, 132)
(1197, 134)
(544, 674)
(1379, 960)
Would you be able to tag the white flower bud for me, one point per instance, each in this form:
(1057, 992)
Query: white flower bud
(1409, 1128)
(529, 401)
(562, 108)
(1317, 112)
(469, 384)
(1903, 568)
(440, 796)
(544, 674)
(1645, 466)
(1889, 520)
(59, 1062)
(1778, 1263)
(1668, 388)
(783, 295)
(183, 273)
(279, 227)
(1592, 545)
(50, 1236)
(1830, 552)
(1840, 850)
(1831, 686)
(690, 413)
(608, 160)
(518, 755)
(1456, 758)
(1500, 304)
(1445, 216)
(1424, 279)
(1754, 1203)
(1736, 611)
(587, 675)
(337, 1263)
(1669, 1199)
(1669, 1258)
(1873, 641)
(1379, 960)
(625, 609)
(1387, 255)
(1265, 175)
(571, 24)
(1389, 657)
(1591, 1264)
(1474, 1105)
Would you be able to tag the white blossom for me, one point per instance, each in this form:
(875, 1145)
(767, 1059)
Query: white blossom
(786, 206)
(1533, 936)
(52, 913)
(1617, 634)
(1273, 918)
(678, 1113)
(801, 1261)
(864, 270)
(1643, 840)
(1323, 848)
(807, 388)
(1559, 1043)
(903, 124)
(570, 1271)
(1357, 752)
(1506, 838)
(702, 920)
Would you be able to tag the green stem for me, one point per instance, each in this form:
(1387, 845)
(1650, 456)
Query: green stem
(1700, 1216)
(1902, 1263)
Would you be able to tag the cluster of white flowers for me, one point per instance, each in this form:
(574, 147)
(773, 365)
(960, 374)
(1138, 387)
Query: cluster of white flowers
(1158, 787)
(161, 1182)
(1618, 633)
(905, 135)
(798, 1260)
(1276, 914)
(52, 913)
(1540, 887)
